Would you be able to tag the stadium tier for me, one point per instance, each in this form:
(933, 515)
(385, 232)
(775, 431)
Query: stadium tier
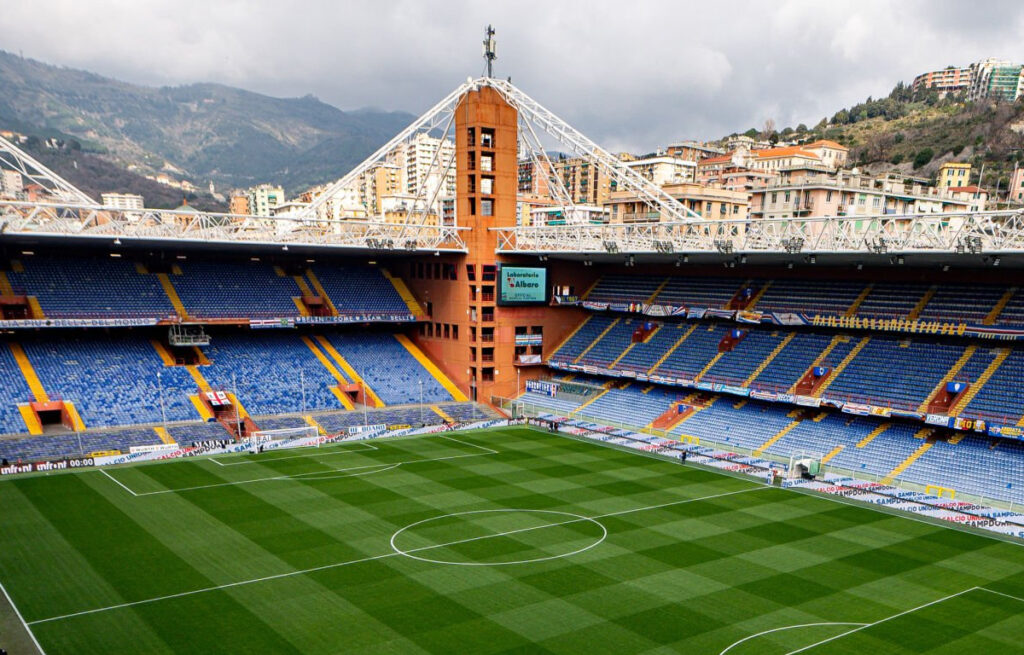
(885, 370)
(78, 287)
(880, 448)
(124, 378)
(989, 304)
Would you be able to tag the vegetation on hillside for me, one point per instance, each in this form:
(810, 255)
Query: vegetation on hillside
(914, 135)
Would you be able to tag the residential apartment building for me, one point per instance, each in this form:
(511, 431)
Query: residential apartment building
(692, 151)
(11, 184)
(996, 79)
(831, 154)
(1016, 189)
(585, 182)
(812, 194)
(429, 165)
(239, 204)
(663, 169)
(264, 197)
(948, 80)
(705, 201)
(122, 200)
(954, 174)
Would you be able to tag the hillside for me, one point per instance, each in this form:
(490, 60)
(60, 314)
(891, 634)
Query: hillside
(914, 136)
(209, 131)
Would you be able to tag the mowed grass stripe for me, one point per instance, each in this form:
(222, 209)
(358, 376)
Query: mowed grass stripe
(974, 621)
(90, 523)
(681, 577)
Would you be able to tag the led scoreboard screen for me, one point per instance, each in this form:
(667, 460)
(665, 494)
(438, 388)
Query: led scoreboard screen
(521, 285)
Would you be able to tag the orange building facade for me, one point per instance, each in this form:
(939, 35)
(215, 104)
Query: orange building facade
(486, 349)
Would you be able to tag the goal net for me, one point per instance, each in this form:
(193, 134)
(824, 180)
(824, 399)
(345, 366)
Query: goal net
(805, 465)
(284, 434)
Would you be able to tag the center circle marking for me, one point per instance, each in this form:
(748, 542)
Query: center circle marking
(575, 518)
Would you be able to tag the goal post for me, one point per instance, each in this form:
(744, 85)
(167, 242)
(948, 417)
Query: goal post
(260, 437)
(804, 464)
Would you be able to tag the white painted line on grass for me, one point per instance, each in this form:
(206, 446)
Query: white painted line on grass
(17, 613)
(117, 482)
(335, 565)
(783, 628)
(264, 459)
(576, 519)
(1000, 593)
(888, 618)
(309, 475)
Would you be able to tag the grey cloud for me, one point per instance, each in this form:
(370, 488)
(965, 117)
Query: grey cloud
(632, 75)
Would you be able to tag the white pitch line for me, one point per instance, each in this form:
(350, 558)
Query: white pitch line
(297, 475)
(335, 565)
(264, 460)
(17, 613)
(888, 618)
(1000, 593)
(783, 628)
(464, 443)
(117, 482)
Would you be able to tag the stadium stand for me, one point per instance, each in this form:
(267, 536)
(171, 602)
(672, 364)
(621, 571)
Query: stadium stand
(90, 287)
(993, 468)
(113, 382)
(13, 391)
(388, 368)
(359, 290)
(225, 290)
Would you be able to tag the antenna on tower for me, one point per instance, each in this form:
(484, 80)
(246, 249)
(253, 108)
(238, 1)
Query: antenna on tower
(489, 49)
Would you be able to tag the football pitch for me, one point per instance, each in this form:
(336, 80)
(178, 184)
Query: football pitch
(507, 540)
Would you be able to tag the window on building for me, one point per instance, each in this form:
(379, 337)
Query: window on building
(486, 137)
(828, 196)
(486, 185)
(471, 136)
(487, 207)
(486, 163)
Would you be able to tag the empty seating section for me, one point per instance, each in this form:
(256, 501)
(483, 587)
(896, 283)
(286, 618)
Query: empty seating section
(1013, 312)
(962, 303)
(894, 373)
(710, 292)
(360, 290)
(693, 355)
(13, 390)
(59, 446)
(624, 288)
(748, 428)
(792, 362)
(613, 343)
(82, 287)
(735, 366)
(1002, 396)
(826, 297)
(630, 406)
(388, 368)
(112, 382)
(891, 300)
(974, 466)
(185, 435)
(583, 337)
(273, 373)
(337, 422)
(232, 290)
(646, 354)
(952, 302)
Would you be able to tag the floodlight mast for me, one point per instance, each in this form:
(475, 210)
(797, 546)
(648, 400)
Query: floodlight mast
(490, 54)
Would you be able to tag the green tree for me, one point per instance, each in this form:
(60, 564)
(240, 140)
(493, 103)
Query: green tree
(923, 156)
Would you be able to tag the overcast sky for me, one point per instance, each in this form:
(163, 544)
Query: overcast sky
(631, 74)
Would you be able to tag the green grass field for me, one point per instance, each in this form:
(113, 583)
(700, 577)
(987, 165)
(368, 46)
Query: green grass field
(499, 541)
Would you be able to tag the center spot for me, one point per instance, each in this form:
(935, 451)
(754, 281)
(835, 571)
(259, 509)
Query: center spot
(498, 537)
